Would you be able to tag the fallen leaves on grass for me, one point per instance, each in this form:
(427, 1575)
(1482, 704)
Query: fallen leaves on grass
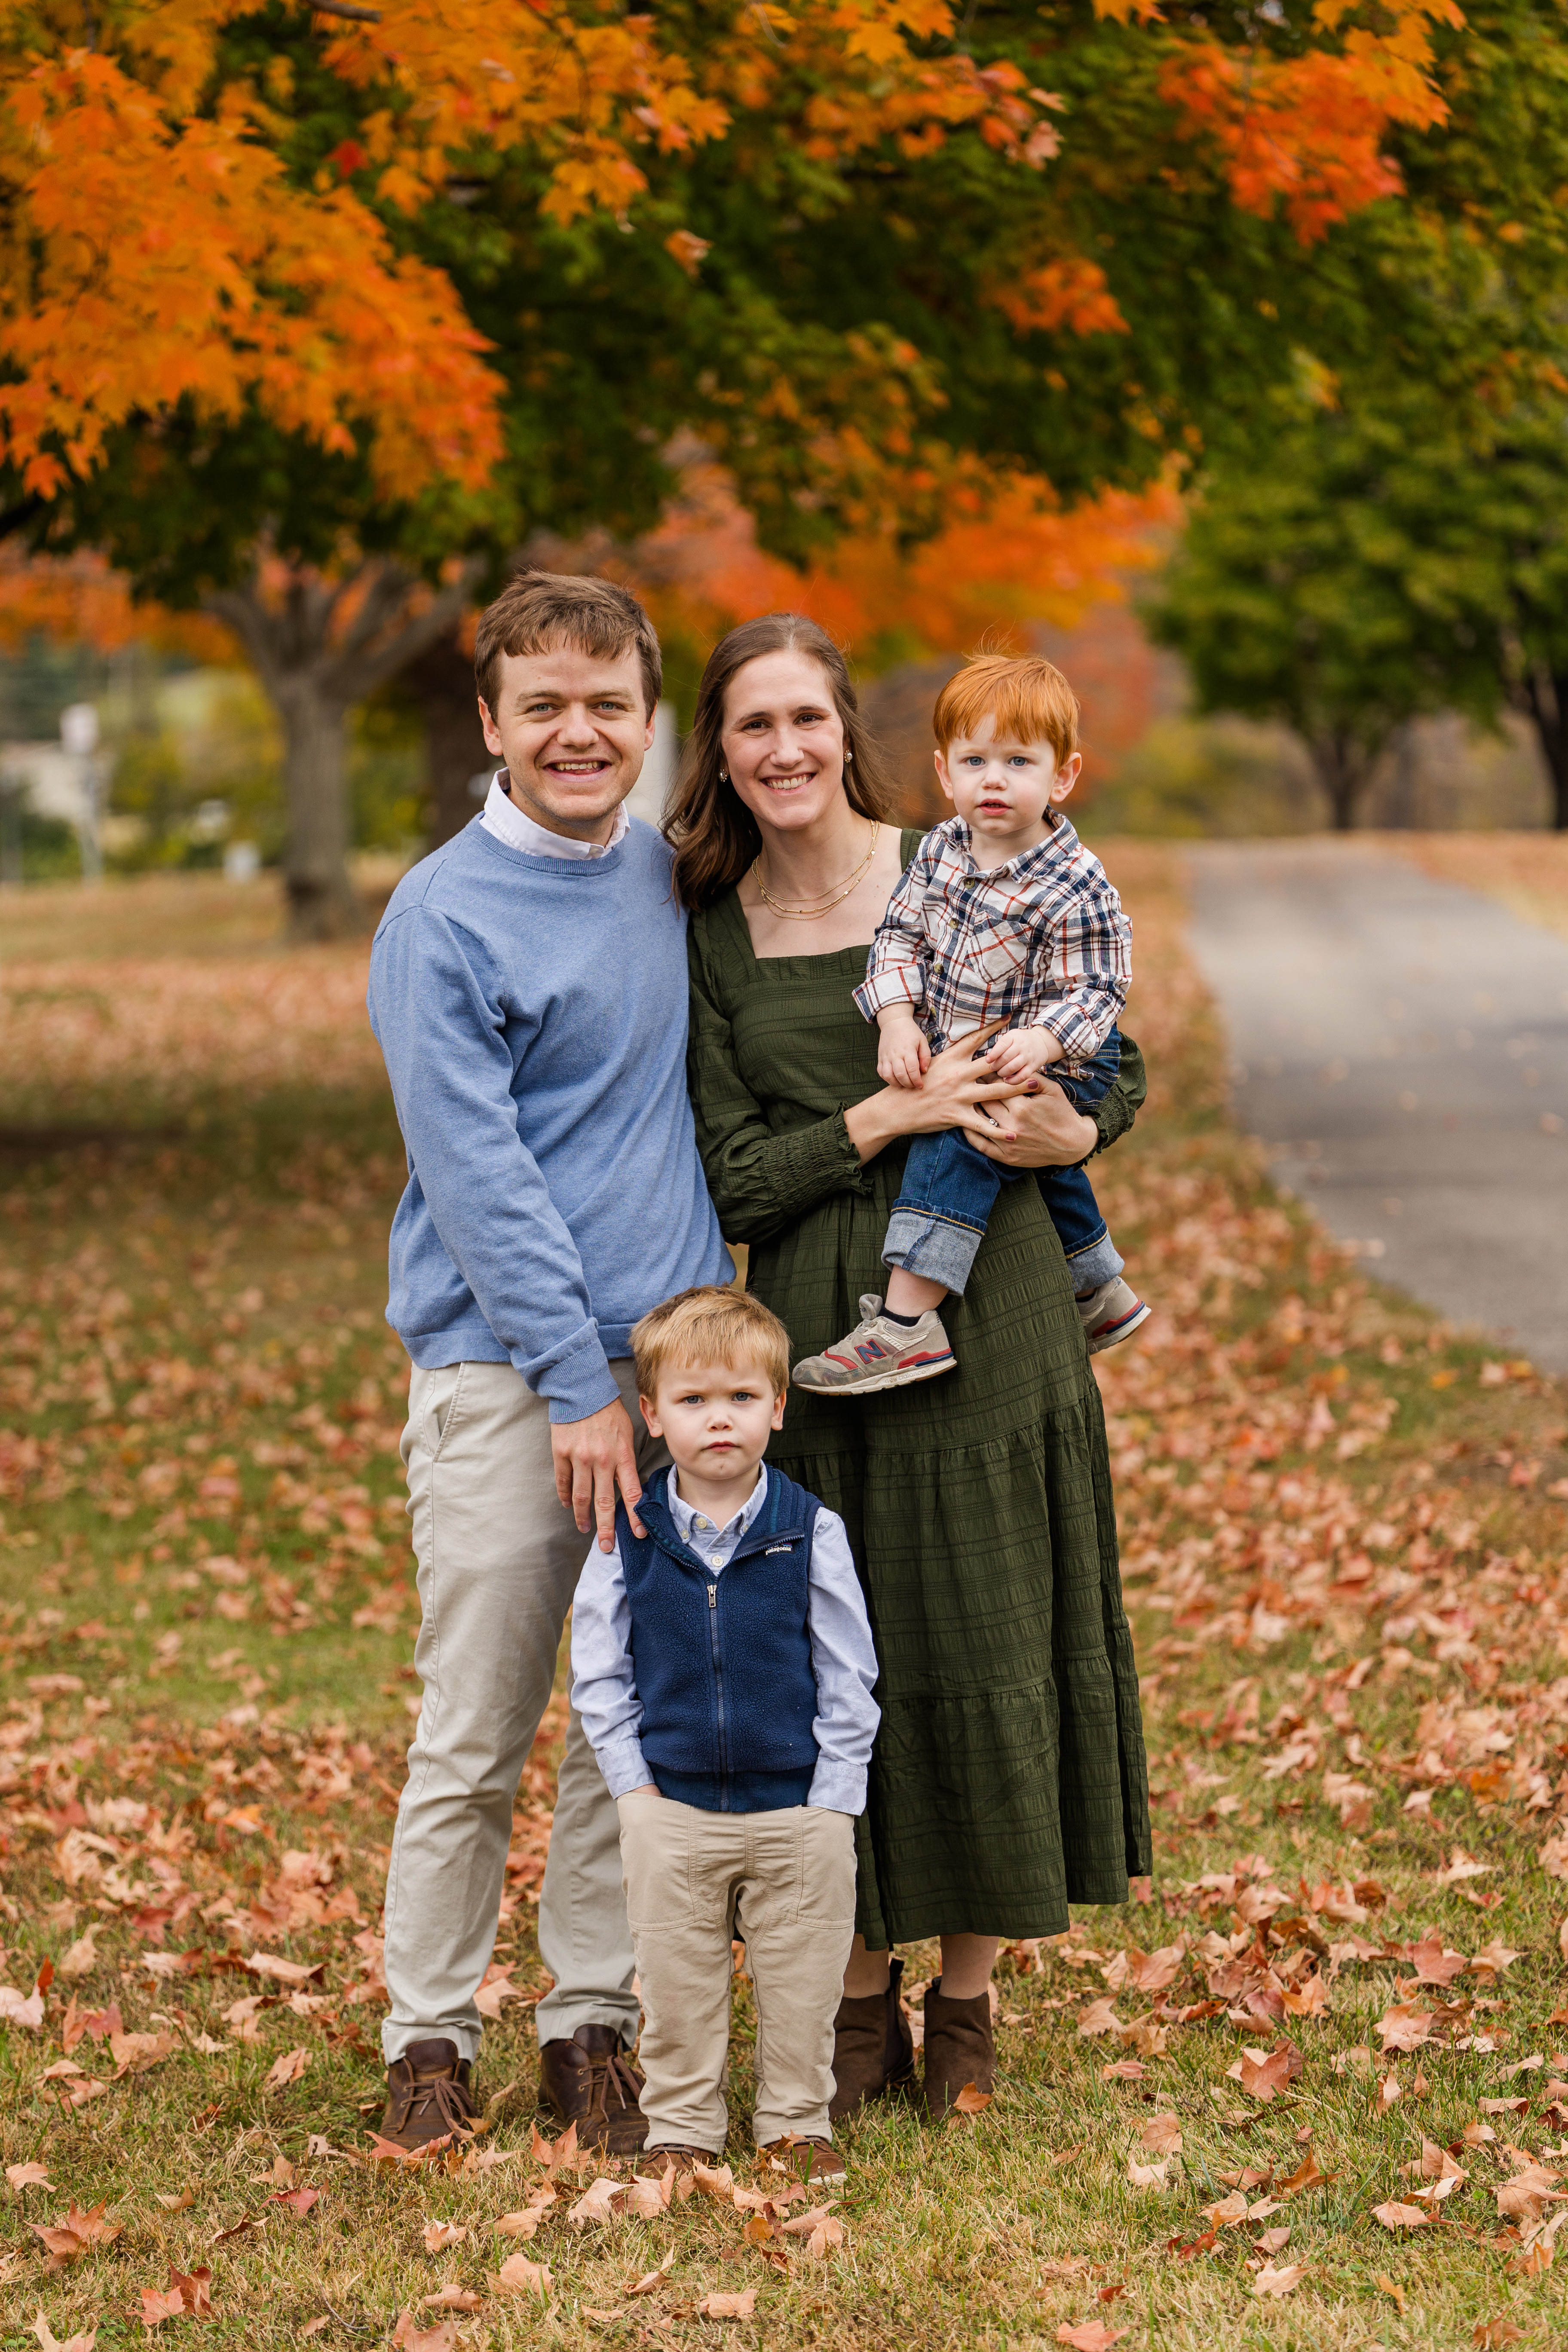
(452, 2297)
(1091, 2336)
(27, 2175)
(286, 2070)
(185, 2297)
(518, 2275)
(971, 2100)
(52, 2343)
(1395, 2216)
(67, 2239)
(439, 2235)
(1492, 2335)
(409, 2336)
(1270, 2281)
(729, 2306)
(821, 2228)
(651, 2279)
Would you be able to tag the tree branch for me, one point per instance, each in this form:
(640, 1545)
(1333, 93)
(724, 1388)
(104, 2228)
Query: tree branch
(361, 677)
(345, 8)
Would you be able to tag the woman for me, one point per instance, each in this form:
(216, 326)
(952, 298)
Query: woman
(1009, 1776)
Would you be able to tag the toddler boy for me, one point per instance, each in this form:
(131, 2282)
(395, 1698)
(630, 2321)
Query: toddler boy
(722, 1666)
(1003, 918)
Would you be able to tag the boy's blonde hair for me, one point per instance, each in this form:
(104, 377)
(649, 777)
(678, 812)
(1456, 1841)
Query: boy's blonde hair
(1027, 699)
(710, 1326)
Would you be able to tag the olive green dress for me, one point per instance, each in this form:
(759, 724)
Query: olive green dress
(1009, 1775)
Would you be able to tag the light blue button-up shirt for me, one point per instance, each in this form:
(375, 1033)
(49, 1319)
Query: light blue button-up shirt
(843, 1657)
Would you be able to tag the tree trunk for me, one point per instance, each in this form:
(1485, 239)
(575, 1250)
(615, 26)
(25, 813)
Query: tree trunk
(319, 649)
(442, 682)
(1546, 699)
(1344, 770)
(317, 886)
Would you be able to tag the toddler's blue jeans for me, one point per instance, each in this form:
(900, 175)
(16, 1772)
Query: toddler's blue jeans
(950, 1189)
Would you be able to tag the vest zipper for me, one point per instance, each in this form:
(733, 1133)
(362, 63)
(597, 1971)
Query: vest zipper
(719, 1693)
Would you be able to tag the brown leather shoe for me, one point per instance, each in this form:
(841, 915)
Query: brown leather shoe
(959, 2048)
(427, 2095)
(873, 2049)
(589, 2082)
(808, 2160)
(658, 2161)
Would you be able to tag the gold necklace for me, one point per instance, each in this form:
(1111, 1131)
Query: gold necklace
(834, 897)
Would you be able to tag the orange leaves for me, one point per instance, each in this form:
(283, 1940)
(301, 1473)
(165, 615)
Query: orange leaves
(171, 259)
(1071, 293)
(1308, 130)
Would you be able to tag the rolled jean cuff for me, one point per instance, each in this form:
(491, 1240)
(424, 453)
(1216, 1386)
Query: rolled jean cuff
(936, 1248)
(1100, 1261)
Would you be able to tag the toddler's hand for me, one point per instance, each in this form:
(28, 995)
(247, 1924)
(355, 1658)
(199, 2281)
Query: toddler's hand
(1021, 1053)
(903, 1057)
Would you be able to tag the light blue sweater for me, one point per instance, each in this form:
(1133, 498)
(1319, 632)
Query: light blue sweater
(532, 1014)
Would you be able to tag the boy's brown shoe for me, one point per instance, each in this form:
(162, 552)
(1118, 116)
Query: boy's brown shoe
(658, 2161)
(873, 2049)
(808, 2160)
(959, 2048)
(427, 2095)
(589, 2082)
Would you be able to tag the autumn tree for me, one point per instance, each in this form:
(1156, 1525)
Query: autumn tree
(312, 317)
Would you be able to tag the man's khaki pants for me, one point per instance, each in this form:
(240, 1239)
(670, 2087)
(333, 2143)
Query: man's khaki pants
(499, 1560)
(785, 1881)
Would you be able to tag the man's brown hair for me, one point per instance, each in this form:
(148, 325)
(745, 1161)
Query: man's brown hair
(710, 1326)
(540, 612)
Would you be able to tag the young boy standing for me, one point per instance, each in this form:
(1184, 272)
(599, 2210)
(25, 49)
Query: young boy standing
(723, 1667)
(1004, 921)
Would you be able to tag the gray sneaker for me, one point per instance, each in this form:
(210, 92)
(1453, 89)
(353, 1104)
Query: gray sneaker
(1111, 1314)
(878, 1354)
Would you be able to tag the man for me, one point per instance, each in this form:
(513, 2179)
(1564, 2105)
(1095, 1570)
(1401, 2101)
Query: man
(528, 989)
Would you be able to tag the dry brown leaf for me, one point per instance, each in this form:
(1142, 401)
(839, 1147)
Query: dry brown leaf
(452, 2297)
(134, 2053)
(971, 2100)
(286, 2070)
(1264, 2078)
(52, 2343)
(1395, 2216)
(648, 2198)
(1309, 2174)
(1229, 2211)
(27, 2175)
(1149, 2176)
(522, 2224)
(439, 2235)
(518, 2275)
(1404, 2028)
(1091, 2336)
(1492, 2335)
(411, 2337)
(80, 1958)
(729, 2306)
(651, 2279)
(714, 2180)
(1391, 2288)
(292, 1972)
(1270, 2281)
(600, 2202)
(1162, 2134)
(1100, 2017)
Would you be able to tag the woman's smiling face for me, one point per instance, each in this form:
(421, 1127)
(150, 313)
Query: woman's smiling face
(783, 741)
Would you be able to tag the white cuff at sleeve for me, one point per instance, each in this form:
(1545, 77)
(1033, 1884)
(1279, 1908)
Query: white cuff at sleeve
(838, 1788)
(624, 1765)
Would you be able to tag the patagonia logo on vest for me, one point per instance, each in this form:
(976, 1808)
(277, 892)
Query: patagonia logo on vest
(772, 1547)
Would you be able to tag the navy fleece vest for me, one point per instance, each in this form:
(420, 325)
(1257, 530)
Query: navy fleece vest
(723, 1663)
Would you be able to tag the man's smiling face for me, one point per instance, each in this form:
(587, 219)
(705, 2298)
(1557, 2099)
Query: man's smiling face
(574, 733)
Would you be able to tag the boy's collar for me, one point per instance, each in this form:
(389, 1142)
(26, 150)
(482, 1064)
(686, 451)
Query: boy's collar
(1061, 836)
(685, 1514)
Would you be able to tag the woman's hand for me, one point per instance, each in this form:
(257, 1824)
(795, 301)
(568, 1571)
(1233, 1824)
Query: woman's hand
(955, 1088)
(1046, 1132)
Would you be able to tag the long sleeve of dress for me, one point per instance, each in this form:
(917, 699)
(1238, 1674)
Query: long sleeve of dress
(1121, 1103)
(762, 1180)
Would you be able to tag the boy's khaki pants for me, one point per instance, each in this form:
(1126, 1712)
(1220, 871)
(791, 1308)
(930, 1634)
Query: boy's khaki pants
(499, 1561)
(786, 1882)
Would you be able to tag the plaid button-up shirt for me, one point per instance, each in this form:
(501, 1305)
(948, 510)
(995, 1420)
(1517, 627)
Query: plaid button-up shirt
(1042, 942)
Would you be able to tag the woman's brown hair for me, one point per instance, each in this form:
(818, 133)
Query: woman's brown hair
(714, 833)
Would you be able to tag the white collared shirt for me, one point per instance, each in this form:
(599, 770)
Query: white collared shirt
(504, 817)
(714, 1545)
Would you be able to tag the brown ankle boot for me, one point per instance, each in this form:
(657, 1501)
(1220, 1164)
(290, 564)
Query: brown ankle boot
(427, 2095)
(959, 2048)
(589, 2082)
(873, 2049)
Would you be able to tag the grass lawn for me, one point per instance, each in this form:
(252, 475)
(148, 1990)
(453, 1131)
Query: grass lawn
(1305, 2092)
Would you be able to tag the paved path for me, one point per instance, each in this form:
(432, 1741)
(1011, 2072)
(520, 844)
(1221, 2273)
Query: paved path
(1402, 1047)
